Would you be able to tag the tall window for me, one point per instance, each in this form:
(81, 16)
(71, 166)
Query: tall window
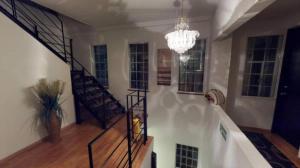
(191, 73)
(259, 76)
(139, 66)
(100, 52)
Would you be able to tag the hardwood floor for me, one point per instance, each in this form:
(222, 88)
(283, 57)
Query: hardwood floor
(287, 149)
(72, 151)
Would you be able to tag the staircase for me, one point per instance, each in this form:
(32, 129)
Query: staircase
(95, 98)
(46, 26)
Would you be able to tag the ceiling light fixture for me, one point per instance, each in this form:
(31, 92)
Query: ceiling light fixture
(184, 58)
(182, 39)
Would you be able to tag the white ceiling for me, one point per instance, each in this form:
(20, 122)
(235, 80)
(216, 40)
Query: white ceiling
(105, 13)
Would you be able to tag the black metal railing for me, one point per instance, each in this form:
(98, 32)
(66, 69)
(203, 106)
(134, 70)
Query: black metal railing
(47, 27)
(130, 141)
(137, 134)
(42, 23)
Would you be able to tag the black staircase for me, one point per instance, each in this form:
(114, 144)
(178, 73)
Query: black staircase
(95, 98)
(47, 27)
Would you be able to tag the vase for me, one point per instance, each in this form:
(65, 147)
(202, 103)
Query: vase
(54, 127)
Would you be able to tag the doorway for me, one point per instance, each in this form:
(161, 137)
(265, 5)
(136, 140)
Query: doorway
(286, 122)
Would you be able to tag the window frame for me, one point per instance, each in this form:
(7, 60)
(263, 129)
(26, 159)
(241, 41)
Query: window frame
(95, 62)
(129, 64)
(277, 65)
(205, 70)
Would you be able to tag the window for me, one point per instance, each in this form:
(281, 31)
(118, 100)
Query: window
(259, 76)
(186, 156)
(100, 52)
(191, 73)
(139, 66)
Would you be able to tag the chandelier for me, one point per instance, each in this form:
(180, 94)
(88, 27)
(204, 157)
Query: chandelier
(184, 58)
(182, 39)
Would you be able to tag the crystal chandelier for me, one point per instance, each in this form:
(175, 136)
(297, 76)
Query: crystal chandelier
(184, 58)
(182, 39)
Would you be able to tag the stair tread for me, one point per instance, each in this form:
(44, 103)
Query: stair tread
(93, 97)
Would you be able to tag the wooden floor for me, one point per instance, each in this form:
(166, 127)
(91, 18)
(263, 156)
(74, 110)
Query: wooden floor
(72, 151)
(287, 149)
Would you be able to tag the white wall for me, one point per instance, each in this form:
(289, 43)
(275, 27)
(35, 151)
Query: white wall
(169, 112)
(220, 64)
(254, 111)
(173, 118)
(23, 61)
(84, 37)
(148, 157)
(234, 152)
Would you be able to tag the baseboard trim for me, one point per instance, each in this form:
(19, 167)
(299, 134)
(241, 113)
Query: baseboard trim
(34, 144)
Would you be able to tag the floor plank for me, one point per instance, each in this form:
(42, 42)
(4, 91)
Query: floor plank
(287, 149)
(72, 151)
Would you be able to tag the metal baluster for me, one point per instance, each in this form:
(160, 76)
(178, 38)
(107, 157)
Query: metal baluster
(13, 5)
(63, 37)
(90, 156)
(132, 111)
(83, 82)
(145, 118)
(104, 111)
(129, 138)
(71, 52)
(36, 31)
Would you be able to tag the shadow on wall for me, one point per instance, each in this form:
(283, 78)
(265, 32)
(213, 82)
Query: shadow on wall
(32, 102)
(173, 118)
(165, 103)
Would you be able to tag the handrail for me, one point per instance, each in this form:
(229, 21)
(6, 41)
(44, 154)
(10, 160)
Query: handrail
(22, 14)
(36, 5)
(33, 21)
(134, 142)
(133, 137)
(36, 17)
(95, 139)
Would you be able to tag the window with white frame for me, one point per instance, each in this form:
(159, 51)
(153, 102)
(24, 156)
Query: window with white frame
(191, 73)
(138, 65)
(100, 53)
(260, 67)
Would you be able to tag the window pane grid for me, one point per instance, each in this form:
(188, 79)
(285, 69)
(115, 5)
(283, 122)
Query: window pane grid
(191, 72)
(260, 65)
(139, 66)
(100, 52)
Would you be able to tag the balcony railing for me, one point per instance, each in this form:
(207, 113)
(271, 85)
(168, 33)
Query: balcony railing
(125, 150)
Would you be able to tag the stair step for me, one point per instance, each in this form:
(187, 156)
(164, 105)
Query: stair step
(88, 91)
(79, 78)
(95, 102)
(95, 105)
(76, 72)
(94, 97)
(87, 84)
(89, 78)
(107, 102)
